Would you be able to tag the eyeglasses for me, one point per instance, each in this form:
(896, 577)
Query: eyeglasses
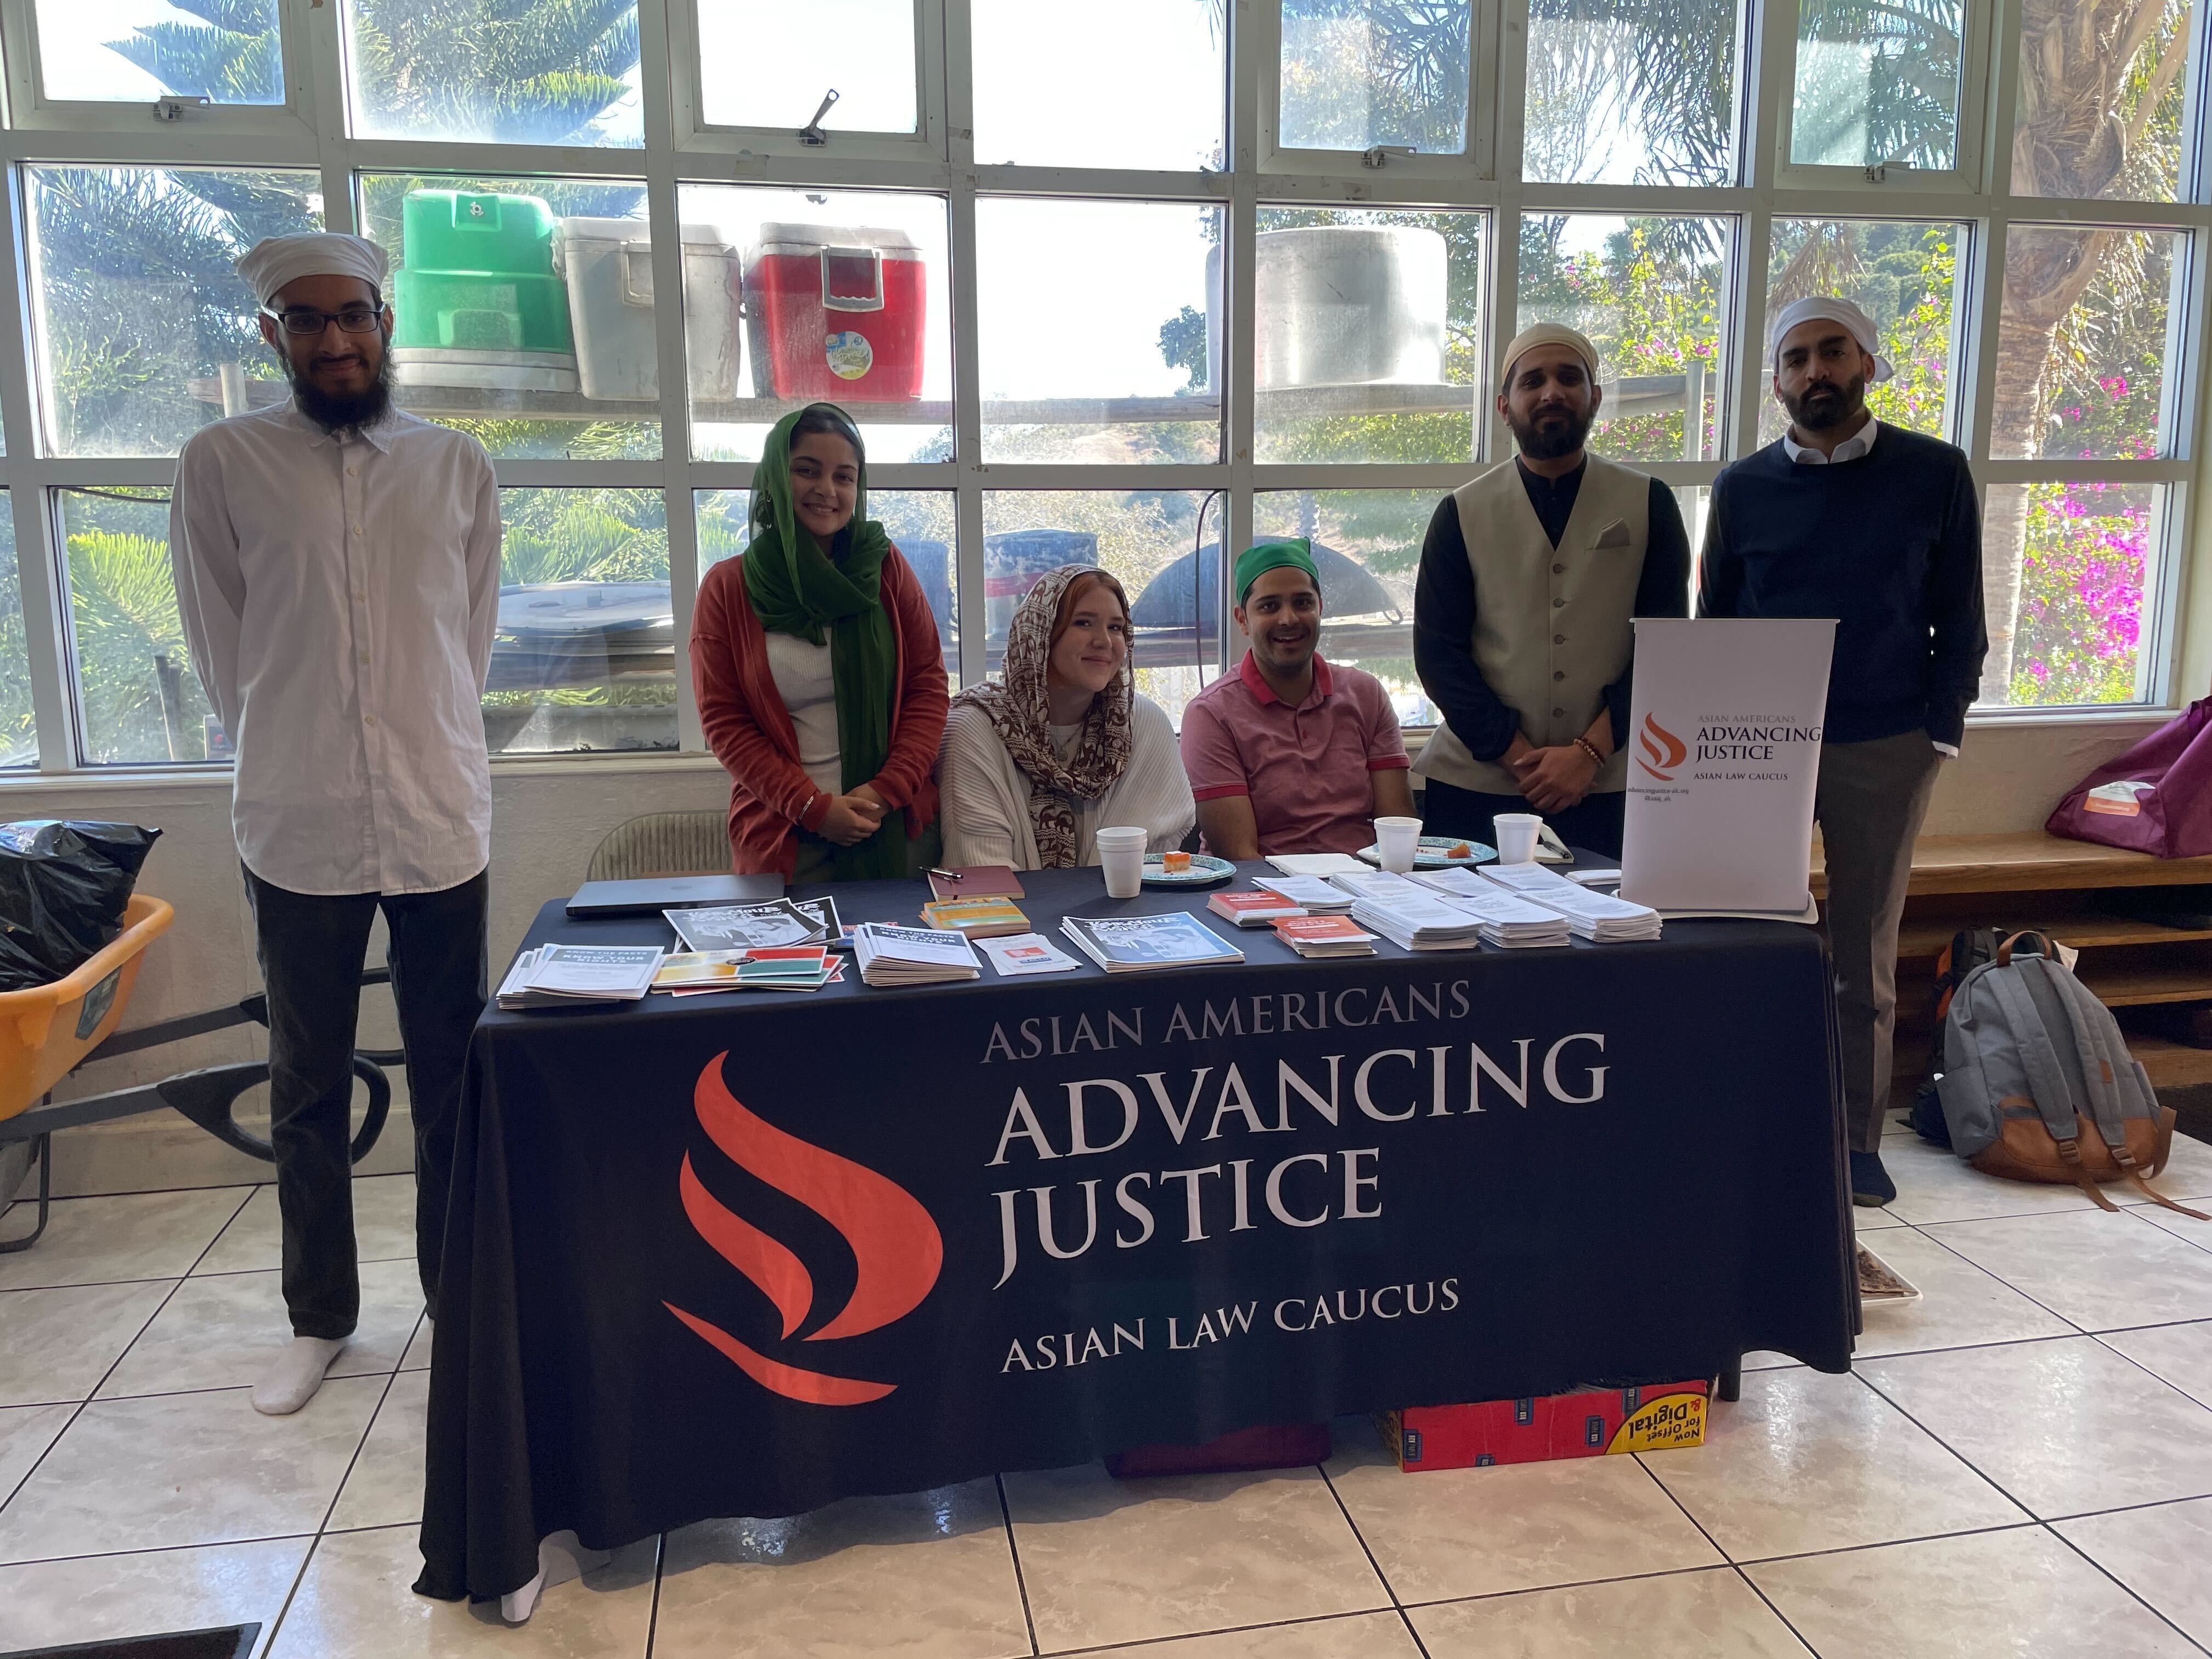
(353, 319)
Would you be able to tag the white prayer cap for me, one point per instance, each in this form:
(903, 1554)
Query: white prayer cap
(275, 261)
(1822, 308)
(1546, 334)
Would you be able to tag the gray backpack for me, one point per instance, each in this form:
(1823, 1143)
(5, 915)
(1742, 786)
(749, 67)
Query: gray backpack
(2038, 1083)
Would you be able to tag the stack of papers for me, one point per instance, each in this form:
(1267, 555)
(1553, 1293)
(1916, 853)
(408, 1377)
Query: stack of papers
(770, 968)
(1326, 936)
(1507, 920)
(1314, 864)
(566, 976)
(1253, 909)
(976, 918)
(1026, 953)
(1381, 886)
(911, 955)
(743, 926)
(1315, 895)
(1418, 920)
(1599, 917)
(1126, 944)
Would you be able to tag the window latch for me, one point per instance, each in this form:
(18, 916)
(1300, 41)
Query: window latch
(1880, 170)
(1381, 153)
(173, 109)
(812, 134)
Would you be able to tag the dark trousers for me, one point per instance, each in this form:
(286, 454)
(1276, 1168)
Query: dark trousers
(1869, 803)
(1593, 822)
(310, 947)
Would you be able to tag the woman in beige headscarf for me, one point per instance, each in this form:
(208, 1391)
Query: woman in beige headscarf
(1036, 762)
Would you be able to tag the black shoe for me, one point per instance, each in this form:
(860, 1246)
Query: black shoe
(1870, 1182)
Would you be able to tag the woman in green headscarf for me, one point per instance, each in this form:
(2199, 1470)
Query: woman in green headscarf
(820, 678)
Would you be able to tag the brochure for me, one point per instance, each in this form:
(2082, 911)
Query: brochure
(976, 918)
(1314, 864)
(1417, 921)
(1326, 936)
(742, 927)
(1315, 895)
(1123, 944)
(911, 955)
(711, 968)
(833, 973)
(1599, 917)
(561, 976)
(1025, 953)
(1253, 909)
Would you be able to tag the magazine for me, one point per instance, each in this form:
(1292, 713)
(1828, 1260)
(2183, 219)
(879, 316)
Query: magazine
(1123, 944)
(911, 955)
(566, 975)
(741, 927)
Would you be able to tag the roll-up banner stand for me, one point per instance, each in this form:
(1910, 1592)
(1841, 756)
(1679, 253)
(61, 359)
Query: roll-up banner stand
(1724, 749)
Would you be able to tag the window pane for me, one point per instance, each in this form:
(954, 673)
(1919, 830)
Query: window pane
(769, 63)
(2083, 343)
(1905, 275)
(1367, 544)
(585, 658)
(791, 296)
(497, 71)
(139, 699)
(2090, 126)
(507, 296)
(1145, 537)
(1137, 83)
(1876, 84)
(1357, 73)
(145, 331)
(135, 51)
(1647, 291)
(1369, 325)
(19, 736)
(919, 522)
(2087, 553)
(1620, 95)
(1094, 330)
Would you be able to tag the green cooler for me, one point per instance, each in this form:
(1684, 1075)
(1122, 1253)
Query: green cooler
(476, 301)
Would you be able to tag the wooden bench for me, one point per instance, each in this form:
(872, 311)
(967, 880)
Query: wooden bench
(2031, 879)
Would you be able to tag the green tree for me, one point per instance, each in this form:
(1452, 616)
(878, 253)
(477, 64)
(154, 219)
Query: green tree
(232, 56)
(499, 71)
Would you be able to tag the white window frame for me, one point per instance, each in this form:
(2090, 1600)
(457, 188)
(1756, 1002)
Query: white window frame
(1386, 167)
(31, 110)
(1893, 177)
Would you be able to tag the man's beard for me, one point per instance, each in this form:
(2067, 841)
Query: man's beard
(1540, 443)
(335, 413)
(1826, 404)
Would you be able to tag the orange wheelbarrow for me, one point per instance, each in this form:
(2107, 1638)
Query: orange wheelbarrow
(48, 1031)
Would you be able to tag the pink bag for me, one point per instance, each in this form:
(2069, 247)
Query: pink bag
(2156, 798)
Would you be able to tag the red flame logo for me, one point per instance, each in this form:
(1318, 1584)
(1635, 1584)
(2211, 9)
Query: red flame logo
(896, 1245)
(1661, 751)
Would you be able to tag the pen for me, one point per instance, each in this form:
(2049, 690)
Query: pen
(949, 875)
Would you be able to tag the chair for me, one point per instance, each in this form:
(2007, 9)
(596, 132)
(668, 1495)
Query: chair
(664, 844)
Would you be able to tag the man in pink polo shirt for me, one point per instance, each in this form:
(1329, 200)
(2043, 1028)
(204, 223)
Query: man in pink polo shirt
(1289, 754)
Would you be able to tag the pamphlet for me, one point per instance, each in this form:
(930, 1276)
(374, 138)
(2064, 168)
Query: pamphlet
(911, 955)
(1315, 895)
(1123, 944)
(558, 976)
(976, 918)
(1326, 936)
(741, 927)
(1026, 953)
(1314, 864)
(1599, 917)
(714, 967)
(1253, 909)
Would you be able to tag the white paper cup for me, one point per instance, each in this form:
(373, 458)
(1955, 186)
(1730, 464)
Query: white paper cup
(1121, 856)
(1397, 839)
(1517, 836)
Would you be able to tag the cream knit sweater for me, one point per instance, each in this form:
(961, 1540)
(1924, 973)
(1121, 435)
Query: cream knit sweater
(985, 796)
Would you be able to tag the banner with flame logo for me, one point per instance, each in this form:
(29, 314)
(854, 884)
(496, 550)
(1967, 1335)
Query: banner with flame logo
(1661, 751)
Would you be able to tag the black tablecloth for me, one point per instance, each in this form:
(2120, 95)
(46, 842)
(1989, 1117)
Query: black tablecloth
(746, 1253)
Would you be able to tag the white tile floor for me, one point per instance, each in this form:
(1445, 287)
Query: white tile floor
(2020, 1465)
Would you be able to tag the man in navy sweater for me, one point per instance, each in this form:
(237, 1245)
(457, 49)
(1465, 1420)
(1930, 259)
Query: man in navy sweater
(1878, 527)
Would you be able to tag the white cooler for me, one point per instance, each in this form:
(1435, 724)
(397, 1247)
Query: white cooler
(607, 265)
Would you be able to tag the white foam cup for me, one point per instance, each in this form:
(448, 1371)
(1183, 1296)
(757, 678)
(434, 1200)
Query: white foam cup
(1121, 855)
(1517, 836)
(1397, 839)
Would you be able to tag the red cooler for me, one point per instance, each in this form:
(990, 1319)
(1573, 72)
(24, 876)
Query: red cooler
(835, 312)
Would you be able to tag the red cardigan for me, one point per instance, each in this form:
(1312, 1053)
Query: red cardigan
(751, 734)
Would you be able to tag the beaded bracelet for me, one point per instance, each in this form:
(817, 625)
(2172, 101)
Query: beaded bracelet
(1589, 748)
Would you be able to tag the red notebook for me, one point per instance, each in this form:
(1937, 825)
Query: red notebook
(977, 881)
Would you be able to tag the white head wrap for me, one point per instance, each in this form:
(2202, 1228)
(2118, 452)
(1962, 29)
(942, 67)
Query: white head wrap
(1546, 334)
(275, 261)
(1822, 308)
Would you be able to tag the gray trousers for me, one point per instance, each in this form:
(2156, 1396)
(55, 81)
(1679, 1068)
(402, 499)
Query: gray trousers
(1869, 803)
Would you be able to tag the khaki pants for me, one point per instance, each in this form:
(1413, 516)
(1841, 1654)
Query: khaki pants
(1871, 799)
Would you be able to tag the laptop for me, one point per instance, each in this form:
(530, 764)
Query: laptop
(650, 894)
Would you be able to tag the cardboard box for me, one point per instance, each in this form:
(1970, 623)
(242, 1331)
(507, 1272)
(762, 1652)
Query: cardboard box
(1582, 1423)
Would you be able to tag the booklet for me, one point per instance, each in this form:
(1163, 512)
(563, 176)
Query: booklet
(1316, 895)
(911, 955)
(557, 975)
(714, 968)
(1026, 953)
(742, 927)
(1326, 936)
(1255, 909)
(976, 918)
(1123, 944)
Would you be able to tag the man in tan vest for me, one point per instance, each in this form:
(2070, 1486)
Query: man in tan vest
(1521, 636)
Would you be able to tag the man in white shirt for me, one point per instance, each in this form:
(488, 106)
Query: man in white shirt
(336, 563)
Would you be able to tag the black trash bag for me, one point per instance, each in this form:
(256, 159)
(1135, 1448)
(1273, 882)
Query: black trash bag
(62, 887)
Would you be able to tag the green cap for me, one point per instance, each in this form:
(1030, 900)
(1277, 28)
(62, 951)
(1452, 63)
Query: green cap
(1254, 562)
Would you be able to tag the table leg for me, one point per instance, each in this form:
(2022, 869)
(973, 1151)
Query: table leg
(1731, 1387)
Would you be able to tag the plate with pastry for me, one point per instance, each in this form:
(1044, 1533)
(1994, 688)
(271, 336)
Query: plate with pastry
(1440, 853)
(1185, 869)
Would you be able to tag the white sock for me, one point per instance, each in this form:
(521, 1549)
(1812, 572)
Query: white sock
(291, 1383)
